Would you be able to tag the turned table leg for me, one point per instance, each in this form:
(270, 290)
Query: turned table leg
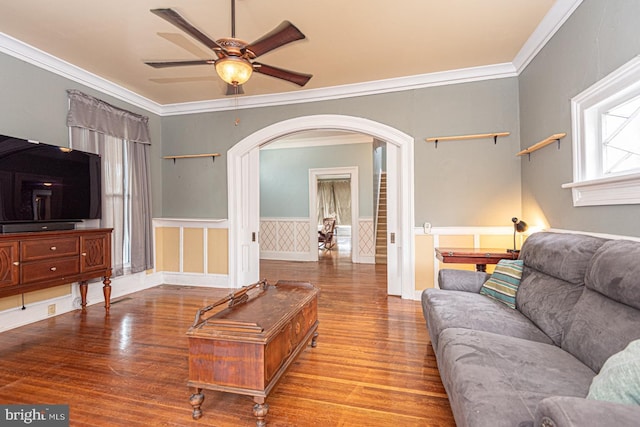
(83, 295)
(196, 400)
(260, 410)
(106, 290)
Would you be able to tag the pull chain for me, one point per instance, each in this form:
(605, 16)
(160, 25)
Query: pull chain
(235, 101)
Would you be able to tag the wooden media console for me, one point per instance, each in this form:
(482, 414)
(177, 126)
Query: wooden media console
(38, 260)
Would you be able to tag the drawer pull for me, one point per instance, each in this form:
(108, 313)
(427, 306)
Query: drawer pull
(53, 269)
(16, 262)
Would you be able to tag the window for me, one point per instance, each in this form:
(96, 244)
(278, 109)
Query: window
(606, 140)
(122, 140)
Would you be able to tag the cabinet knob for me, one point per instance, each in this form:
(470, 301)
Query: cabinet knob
(83, 254)
(53, 248)
(16, 263)
(53, 269)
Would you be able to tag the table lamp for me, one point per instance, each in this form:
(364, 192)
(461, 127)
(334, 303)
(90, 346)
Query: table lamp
(519, 226)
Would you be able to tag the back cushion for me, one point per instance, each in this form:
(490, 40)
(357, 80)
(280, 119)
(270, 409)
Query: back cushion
(607, 316)
(553, 278)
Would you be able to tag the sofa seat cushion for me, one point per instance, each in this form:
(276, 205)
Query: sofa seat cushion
(496, 380)
(444, 309)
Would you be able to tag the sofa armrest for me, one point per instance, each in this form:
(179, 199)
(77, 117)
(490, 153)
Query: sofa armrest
(562, 411)
(461, 280)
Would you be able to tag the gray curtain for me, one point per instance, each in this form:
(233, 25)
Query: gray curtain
(334, 200)
(101, 128)
(96, 115)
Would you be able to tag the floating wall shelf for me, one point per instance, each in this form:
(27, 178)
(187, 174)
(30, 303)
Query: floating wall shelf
(535, 147)
(192, 156)
(494, 135)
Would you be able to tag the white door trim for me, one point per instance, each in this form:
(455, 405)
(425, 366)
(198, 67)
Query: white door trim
(352, 171)
(238, 199)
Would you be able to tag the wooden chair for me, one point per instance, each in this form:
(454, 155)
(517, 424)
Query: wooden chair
(326, 234)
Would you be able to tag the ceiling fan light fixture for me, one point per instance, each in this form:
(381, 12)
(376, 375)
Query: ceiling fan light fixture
(234, 70)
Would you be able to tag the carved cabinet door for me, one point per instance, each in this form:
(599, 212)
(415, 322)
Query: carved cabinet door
(9, 264)
(95, 251)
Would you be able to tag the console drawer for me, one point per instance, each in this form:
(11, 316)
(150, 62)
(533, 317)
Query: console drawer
(32, 250)
(49, 269)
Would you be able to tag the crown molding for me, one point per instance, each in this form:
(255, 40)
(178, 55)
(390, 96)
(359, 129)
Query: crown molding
(550, 24)
(557, 15)
(27, 53)
(496, 71)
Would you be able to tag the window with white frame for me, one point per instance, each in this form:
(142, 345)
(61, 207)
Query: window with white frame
(606, 140)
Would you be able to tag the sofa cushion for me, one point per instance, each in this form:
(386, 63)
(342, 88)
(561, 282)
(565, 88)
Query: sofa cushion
(600, 328)
(495, 380)
(607, 318)
(619, 378)
(577, 412)
(562, 255)
(444, 309)
(615, 272)
(503, 284)
(555, 265)
(547, 301)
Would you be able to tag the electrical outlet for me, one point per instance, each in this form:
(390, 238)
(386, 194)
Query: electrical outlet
(51, 309)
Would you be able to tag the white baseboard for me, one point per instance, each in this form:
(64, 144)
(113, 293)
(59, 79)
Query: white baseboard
(366, 259)
(194, 279)
(286, 256)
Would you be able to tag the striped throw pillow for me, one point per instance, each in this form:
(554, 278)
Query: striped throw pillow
(504, 281)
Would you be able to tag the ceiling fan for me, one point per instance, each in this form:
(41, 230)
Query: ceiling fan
(235, 58)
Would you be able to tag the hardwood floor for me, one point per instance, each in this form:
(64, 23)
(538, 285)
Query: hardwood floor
(373, 366)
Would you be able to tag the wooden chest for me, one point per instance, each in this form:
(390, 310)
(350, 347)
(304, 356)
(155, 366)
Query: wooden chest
(247, 346)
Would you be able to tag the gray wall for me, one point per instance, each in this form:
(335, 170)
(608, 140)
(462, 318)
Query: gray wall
(34, 104)
(599, 37)
(461, 183)
(284, 177)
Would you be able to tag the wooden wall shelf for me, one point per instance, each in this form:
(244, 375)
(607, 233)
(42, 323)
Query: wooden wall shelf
(493, 135)
(535, 147)
(192, 156)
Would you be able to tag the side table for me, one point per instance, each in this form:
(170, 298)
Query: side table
(478, 256)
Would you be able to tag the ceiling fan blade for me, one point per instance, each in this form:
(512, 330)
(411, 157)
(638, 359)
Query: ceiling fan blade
(176, 19)
(284, 33)
(166, 64)
(234, 90)
(300, 79)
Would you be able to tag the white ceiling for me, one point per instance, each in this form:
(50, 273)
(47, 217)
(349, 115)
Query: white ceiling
(348, 41)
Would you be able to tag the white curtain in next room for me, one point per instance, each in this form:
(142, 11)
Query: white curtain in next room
(334, 199)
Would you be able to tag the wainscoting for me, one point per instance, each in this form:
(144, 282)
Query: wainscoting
(192, 252)
(427, 265)
(289, 239)
(195, 253)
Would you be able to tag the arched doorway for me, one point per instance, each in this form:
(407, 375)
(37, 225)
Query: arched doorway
(243, 196)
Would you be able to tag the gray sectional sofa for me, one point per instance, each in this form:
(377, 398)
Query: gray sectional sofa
(578, 304)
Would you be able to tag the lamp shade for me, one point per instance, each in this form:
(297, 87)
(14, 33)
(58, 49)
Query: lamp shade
(234, 70)
(519, 225)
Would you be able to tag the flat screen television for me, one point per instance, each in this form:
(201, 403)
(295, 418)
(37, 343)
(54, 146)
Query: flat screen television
(44, 187)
